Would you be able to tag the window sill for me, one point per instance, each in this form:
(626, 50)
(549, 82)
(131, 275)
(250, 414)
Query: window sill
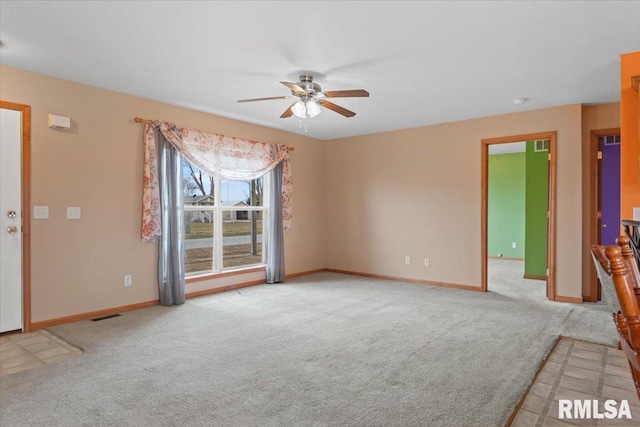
(194, 279)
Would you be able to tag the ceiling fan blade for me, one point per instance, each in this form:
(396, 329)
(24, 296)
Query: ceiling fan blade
(264, 99)
(295, 88)
(354, 93)
(338, 109)
(287, 113)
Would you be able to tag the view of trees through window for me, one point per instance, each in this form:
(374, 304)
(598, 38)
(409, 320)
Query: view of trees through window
(223, 222)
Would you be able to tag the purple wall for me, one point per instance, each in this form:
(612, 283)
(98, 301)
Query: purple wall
(610, 192)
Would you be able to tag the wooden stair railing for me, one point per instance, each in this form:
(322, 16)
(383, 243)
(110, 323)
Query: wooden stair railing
(627, 320)
(628, 257)
(603, 270)
(632, 230)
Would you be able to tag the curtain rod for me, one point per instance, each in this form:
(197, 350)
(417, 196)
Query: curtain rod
(141, 120)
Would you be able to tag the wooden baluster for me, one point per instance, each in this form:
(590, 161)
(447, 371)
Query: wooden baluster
(621, 325)
(629, 260)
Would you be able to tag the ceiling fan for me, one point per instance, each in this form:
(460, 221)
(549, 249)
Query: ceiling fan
(311, 97)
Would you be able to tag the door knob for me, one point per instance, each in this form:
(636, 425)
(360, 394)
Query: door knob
(604, 225)
(12, 229)
(11, 214)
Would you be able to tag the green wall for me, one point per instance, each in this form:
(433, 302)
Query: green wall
(506, 204)
(537, 170)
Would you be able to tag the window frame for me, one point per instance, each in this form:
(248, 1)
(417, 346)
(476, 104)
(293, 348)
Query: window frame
(216, 211)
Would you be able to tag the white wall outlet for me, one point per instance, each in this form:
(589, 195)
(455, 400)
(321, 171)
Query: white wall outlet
(127, 280)
(407, 260)
(41, 212)
(513, 245)
(427, 263)
(73, 213)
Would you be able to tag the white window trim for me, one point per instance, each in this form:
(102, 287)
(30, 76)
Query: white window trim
(216, 212)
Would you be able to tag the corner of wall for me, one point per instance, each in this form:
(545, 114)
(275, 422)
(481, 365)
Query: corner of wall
(629, 128)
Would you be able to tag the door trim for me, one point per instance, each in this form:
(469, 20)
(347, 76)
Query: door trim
(551, 230)
(26, 209)
(593, 205)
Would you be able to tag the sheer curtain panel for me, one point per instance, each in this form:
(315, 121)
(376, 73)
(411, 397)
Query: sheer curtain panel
(171, 244)
(275, 231)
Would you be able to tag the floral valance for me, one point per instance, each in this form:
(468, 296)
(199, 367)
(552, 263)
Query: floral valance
(229, 157)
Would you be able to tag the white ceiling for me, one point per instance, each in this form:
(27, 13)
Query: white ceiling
(422, 62)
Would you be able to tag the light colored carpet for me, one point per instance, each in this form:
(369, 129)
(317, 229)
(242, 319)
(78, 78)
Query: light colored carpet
(320, 350)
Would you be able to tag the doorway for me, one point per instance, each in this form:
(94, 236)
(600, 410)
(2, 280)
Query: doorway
(609, 189)
(15, 219)
(550, 223)
(604, 188)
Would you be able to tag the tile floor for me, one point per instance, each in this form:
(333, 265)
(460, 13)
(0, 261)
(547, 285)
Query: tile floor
(579, 370)
(19, 352)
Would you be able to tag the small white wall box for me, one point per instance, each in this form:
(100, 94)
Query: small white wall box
(59, 122)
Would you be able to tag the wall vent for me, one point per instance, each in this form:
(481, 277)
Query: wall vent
(110, 316)
(611, 140)
(541, 145)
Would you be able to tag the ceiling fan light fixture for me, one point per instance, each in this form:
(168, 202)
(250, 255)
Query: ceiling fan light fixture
(313, 109)
(309, 98)
(299, 109)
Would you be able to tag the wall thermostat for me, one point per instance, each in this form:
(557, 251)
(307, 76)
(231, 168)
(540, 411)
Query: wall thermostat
(59, 122)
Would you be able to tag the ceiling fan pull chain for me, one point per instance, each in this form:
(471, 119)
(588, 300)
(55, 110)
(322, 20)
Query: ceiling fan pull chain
(302, 122)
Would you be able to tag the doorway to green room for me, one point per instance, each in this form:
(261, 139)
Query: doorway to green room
(517, 213)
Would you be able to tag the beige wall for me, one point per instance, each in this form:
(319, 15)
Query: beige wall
(78, 266)
(416, 192)
(594, 117)
(360, 204)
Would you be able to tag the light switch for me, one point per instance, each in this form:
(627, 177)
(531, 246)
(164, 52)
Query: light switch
(41, 212)
(73, 213)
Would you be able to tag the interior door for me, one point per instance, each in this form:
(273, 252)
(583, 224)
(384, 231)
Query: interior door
(609, 189)
(10, 221)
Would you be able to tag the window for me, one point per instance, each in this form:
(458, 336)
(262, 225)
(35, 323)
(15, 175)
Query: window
(223, 222)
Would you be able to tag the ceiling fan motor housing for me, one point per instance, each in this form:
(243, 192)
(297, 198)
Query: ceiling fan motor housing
(306, 83)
